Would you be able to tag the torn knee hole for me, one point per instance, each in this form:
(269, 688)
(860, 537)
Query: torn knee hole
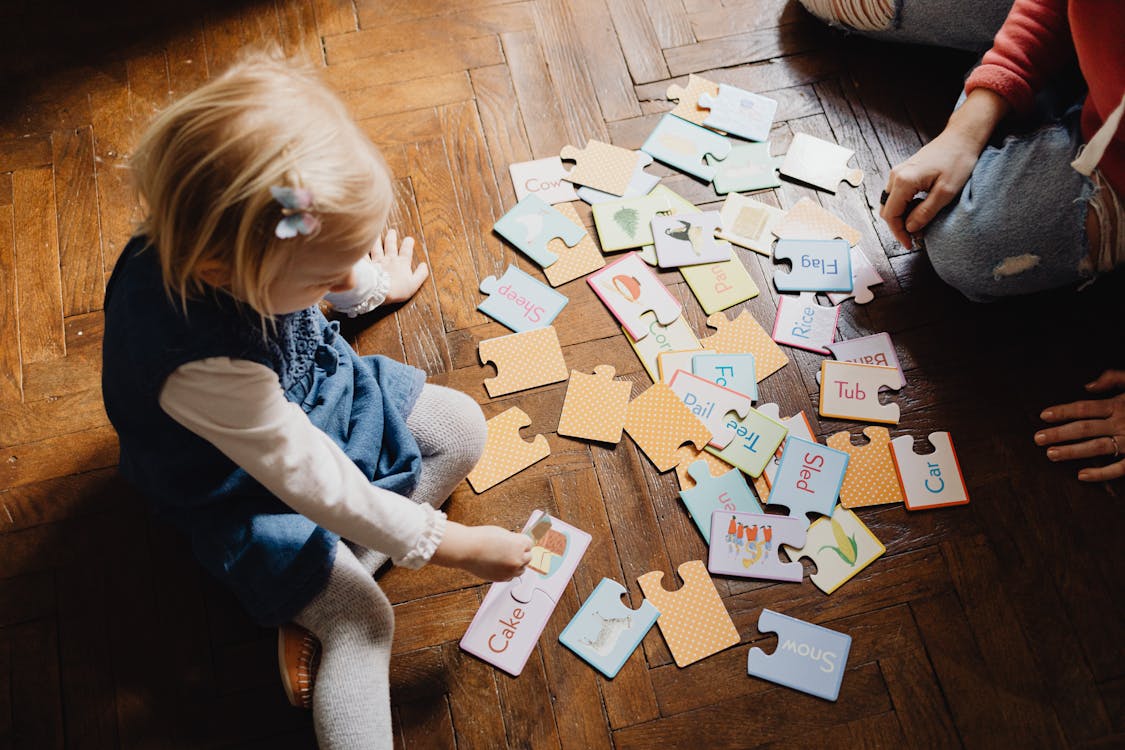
(1014, 265)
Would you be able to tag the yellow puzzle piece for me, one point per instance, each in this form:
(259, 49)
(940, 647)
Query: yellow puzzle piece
(505, 452)
(523, 360)
(840, 545)
(808, 221)
(595, 405)
(603, 166)
(574, 262)
(693, 619)
(660, 423)
(744, 335)
(688, 98)
(871, 478)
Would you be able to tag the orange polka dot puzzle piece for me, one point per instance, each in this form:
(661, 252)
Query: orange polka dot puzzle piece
(505, 452)
(693, 619)
(871, 478)
(659, 423)
(523, 360)
(595, 405)
(743, 335)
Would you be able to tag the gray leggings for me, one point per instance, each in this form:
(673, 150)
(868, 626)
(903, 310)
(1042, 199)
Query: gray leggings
(351, 616)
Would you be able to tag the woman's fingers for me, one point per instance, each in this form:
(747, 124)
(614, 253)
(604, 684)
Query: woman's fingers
(939, 197)
(1103, 473)
(1108, 379)
(1085, 428)
(1099, 409)
(1101, 446)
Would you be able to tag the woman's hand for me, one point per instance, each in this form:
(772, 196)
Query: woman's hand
(396, 260)
(490, 552)
(1098, 425)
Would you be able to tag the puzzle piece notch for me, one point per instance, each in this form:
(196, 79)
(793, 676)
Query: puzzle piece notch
(686, 239)
(693, 619)
(850, 546)
(711, 403)
(687, 97)
(505, 452)
(929, 480)
(808, 657)
(726, 492)
(531, 224)
(605, 631)
(603, 166)
(739, 112)
(523, 360)
(683, 145)
(659, 423)
(816, 266)
(574, 262)
(743, 335)
(803, 323)
(595, 405)
(520, 301)
(851, 391)
(629, 288)
(746, 544)
(864, 276)
(808, 479)
(871, 477)
(641, 183)
(820, 163)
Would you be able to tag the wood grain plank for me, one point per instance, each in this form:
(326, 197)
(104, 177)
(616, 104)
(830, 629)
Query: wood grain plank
(27, 598)
(37, 420)
(474, 701)
(11, 370)
(392, 11)
(298, 32)
(426, 723)
(59, 456)
(762, 77)
(739, 49)
(416, 63)
(187, 60)
(36, 708)
(639, 42)
(753, 15)
(147, 78)
(528, 714)
(403, 128)
(539, 106)
(335, 17)
(433, 620)
(38, 281)
(503, 127)
(5, 188)
(114, 131)
(80, 253)
(424, 93)
(671, 22)
(606, 56)
(27, 152)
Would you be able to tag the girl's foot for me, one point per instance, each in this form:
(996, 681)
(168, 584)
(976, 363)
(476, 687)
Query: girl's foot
(298, 656)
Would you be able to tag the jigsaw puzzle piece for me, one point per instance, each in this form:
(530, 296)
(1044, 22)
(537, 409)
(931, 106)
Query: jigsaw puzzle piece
(659, 423)
(841, 546)
(739, 112)
(626, 223)
(520, 301)
(544, 178)
(683, 145)
(749, 223)
(817, 266)
(718, 286)
(734, 371)
(808, 479)
(746, 545)
(930, 480)
(692, 620)
(661, 339)
(797, 425)
(688, 239)
(604, 632)
(555, 551)
(819, 163)
(687, 97)
(756, 438)
(669, 362)
(724, 493)
(574, 262)
(712, 403)
(531, 224)
(629, 288)
(603, 166)
(686, 455)
(595, 405)
(743, 335)
(871, 477)
(808, 221)
(876, 349)
(851, 391)
(808, 657)
(505, 452)
(748, 167)
(804, 324)
(641, 183)
(523, 360)
(864, 276)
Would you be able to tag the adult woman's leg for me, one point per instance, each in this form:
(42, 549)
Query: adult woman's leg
(960, 24)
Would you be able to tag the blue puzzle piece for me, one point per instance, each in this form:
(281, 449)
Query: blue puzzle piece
(531, 224)
(808, 478)
(683, 145)
(756, 438)
(726, 492)
(746, 545)
(748, 167)
(520, 301)
(734, 371)
(818, 266)
(808, 657)
(605, 632)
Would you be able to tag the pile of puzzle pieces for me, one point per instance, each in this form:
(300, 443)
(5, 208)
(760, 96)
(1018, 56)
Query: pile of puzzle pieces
(699, 417)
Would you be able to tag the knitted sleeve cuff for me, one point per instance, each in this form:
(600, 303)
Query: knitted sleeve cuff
(428, 541)
(1004, 82)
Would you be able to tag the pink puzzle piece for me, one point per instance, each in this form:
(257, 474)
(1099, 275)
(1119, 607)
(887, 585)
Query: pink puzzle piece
(711, 403)
(629, 288)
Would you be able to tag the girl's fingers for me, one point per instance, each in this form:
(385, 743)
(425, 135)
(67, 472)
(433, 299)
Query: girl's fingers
(1108, 379)
(420, 274)
(1085, 428)
(1078, 410)
(390, 246)
(1102, 446)
(377, 250)
(1103, 473)
(406, 249)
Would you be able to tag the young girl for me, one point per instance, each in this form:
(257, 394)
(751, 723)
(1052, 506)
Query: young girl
(295, 466)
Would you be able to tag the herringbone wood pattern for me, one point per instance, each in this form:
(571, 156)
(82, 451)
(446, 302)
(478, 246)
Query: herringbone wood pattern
(997, 623)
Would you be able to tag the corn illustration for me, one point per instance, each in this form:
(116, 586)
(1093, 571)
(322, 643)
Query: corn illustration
(846, 546)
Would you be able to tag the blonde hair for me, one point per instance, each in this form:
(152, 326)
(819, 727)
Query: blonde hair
(206, 164)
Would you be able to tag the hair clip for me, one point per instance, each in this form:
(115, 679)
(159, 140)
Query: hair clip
(296, 205)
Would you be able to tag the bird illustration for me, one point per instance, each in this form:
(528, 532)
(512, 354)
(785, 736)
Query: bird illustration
(532, 225)
(687, 232)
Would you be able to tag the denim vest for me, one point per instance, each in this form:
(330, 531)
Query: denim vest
(274, 559)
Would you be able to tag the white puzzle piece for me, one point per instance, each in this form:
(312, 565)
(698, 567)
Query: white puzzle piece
(543, 178)
(711, 403)
(817, 266)
(605, 632)
(864, 276)
(688, 239)
(803, 323)
(747, 545)
(739, 112)
(819, 163)
(531, 224)
(930, 480)
(876, 349)
(841, 546)
(629, 288)
(749, 223)
(520, 301)
(683, 145)
(660, 339)
(851, 391)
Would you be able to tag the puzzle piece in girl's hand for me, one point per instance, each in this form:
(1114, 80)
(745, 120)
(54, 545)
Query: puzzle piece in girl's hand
(808, 221)
(688, 239)
(688, 97)
(746, 545)
(625, 223)
(523, 360)
(819, 163)
(576, 261)
(871, 477)
(543, 178)
(669, 362)
(841, 546)
(595, 405)
(808, 657)
(808, 478)
(520, 301)
(756, 438)
(711, 403)
(693, 619)
(817, 266)
(875, 349)
(798, 426)
(742, 335)
(851, 391)
(739, 112)
(718, 286)
(686, 455)
(659, 423)
(629, 288)
(641, 183)
(726, 492)
(531, 224)
(749, 223)
(605, 632)
(864, 276)
(804, 324)
(749, 166)
(603, 166)
(930, 480)
(734, 371)
(514, 613)
(505, 452)
(683, 145)
(660, 339)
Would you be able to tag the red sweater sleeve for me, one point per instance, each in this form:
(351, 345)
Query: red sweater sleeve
(1034, 42)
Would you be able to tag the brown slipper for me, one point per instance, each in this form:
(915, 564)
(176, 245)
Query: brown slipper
(298, 656)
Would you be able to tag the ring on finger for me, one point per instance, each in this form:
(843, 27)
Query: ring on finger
(1116, 447)
(883, 198)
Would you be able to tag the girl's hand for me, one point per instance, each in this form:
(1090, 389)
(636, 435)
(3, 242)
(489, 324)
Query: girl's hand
(396, 260)
(490, 552)
(1099, 425)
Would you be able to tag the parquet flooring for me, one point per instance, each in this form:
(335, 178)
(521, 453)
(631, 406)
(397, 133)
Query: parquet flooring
(999, 623)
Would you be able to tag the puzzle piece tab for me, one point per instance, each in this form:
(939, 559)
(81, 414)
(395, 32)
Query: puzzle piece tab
(543, 178)
(718, 286)
(930, 480)
(693, 619)
(739, 112)
(660, 339)
(841, 546)
(864, 276)
(520, 301)
(604, 632)
(808, 478)
(681, 144)
(748, 167)
(505, 452)
(688, 239)
(756, 438)
(743, 335)
(531, 224)
(595, 405)
(712, 404)
(851, 391)
(819, 163)
(749, 223)
(688, 98)
(659, 423)
(629, 288)
(746, 545)
(603, 166)
(808, 221)
(808, 657)
(573, 262)
(726, 492)
(804, 324)
(523, 360)
(871, 477)
(817, 266)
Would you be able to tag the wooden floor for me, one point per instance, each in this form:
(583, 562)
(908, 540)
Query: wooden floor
(999, 623)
